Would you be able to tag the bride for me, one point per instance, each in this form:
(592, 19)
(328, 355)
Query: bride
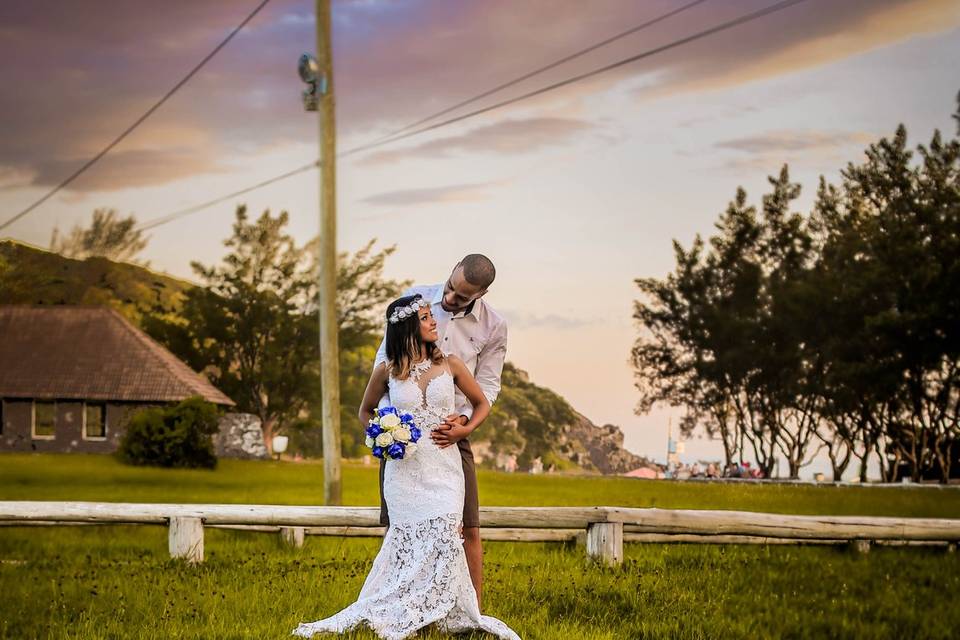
(420, 575)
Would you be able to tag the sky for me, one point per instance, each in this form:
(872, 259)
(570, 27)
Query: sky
(573, 194)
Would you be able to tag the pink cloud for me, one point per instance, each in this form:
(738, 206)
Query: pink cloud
(76, 74)
(510, 136)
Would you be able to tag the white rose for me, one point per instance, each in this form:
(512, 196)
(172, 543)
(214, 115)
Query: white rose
(369, 442)
(411, 447)
(390, 421)
(401, 434)
(384, 440)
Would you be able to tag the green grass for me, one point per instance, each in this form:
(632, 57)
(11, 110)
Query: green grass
(101, 478)
(117, 581)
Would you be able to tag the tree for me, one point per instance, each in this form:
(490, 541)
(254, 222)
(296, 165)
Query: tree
(108, 236)
(253, 329)
(894, 234)
(842, 327)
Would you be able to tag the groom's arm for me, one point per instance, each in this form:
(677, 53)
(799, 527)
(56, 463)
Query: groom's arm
(490, 367)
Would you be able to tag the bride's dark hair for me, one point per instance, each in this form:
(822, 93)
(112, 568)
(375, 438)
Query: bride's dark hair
(404, 343)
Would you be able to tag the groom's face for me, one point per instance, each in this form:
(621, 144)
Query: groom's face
(458, 292)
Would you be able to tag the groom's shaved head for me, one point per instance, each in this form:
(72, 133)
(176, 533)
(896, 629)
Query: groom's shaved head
(478, 270)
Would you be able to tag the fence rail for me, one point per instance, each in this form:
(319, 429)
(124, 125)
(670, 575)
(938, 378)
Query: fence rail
(602, 530)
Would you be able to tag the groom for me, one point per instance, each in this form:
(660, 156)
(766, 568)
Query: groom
(470, 329)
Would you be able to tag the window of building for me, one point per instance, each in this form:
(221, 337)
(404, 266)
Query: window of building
(44, 420)
(94, 421)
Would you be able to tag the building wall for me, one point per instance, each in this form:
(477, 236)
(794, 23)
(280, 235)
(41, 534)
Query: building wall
(68, 433)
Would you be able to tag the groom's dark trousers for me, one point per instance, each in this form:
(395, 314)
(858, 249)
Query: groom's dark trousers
(471, 498)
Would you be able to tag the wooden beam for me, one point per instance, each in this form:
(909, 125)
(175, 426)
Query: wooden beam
(776, 525)
(647, 521)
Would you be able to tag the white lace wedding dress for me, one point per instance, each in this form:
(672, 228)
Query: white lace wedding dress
(420, 574)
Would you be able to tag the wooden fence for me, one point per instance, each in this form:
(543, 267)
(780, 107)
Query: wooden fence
(603, 530)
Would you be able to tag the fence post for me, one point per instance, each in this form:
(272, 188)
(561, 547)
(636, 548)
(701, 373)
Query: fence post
(292, 536)
(605, 542)
(860, 546)
(186, 538)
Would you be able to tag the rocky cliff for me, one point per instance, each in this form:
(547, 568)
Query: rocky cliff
(532, 427)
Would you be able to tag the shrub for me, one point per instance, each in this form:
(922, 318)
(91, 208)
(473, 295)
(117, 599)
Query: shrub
(173, 436)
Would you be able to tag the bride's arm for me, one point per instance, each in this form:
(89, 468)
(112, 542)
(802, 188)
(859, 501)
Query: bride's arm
(376, 387)
(471, 389)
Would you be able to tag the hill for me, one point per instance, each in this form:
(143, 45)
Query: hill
(30, 275)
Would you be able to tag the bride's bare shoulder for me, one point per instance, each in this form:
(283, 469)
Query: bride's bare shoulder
(455, 363)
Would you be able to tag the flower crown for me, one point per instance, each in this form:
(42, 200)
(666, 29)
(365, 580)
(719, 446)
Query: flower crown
(402, 313)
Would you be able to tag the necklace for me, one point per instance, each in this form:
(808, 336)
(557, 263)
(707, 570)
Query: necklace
(417, 369)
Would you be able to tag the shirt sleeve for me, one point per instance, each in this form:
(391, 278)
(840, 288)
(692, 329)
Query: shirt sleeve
(381, 353)
(490, 366)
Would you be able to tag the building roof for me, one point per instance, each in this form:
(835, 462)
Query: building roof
(90, 353)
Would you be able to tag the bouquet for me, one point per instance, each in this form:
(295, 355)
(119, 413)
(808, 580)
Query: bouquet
(392, 434)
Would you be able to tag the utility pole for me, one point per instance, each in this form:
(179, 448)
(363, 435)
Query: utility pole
(329, 348)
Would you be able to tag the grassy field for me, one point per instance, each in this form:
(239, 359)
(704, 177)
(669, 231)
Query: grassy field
(117, 581)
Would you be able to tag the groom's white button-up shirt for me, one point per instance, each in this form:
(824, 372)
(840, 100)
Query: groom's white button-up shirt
(478, 337)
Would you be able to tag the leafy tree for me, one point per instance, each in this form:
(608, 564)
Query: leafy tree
(840, 328)
(894, 236)
(253, 327)
(108, 236)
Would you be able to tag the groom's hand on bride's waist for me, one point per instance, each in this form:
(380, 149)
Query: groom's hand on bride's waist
(450, 431)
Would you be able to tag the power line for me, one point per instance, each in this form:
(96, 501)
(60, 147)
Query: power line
(582, 52)
(139, 120)
(548, 67)
(774, 8)
(156, 222)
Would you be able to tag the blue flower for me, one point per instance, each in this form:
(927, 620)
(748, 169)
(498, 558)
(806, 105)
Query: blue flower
(374, 430)
(395, 451)
(406, 417)
(414, 434)
(386, 410)
(378, 452)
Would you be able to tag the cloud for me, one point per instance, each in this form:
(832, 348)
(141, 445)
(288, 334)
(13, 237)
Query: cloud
(804, 36)
(12, 177)
(507, 137)
(431, 195)
(76, 74)
(128, 169)
(770, 150)
(522, 320)
(789, 141)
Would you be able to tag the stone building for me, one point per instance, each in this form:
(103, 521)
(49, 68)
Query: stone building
(71, 376)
